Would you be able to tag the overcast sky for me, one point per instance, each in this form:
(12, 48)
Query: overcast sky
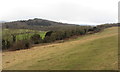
(67, 11)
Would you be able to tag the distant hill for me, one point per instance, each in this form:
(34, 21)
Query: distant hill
(2, 21)
(36, 23)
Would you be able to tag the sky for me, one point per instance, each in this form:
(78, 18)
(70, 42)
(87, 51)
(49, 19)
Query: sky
(89, 12)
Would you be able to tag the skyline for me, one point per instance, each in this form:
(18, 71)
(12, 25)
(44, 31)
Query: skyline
(65, 11)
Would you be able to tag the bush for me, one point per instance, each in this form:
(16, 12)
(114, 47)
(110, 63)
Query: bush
(36, 39)
(47, 39)
(22, 44)
(5, 44)
(49, 33)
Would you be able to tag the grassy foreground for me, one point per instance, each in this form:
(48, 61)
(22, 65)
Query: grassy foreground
(91, 52)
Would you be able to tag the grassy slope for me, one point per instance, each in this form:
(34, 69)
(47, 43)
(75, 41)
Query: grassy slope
(95, 52)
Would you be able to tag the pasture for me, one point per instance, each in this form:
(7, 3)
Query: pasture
(20, 34)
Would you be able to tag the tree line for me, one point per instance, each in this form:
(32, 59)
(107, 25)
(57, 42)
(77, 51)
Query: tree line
(51, 36)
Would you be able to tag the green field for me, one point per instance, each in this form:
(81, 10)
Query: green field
(24, 36)
(7, 34)
(97, 51)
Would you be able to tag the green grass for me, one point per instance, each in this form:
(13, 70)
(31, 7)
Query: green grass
(42, 34)
(92, 52)
(7, 34)
(26, 36)
(17, 30)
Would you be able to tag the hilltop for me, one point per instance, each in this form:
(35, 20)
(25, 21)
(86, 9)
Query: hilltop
(38, 24)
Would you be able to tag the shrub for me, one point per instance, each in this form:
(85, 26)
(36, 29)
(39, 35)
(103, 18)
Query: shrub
(49, 33)
(36, 39)
(22, 44)
(14, 38)
(47, 39)
(3, 44)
